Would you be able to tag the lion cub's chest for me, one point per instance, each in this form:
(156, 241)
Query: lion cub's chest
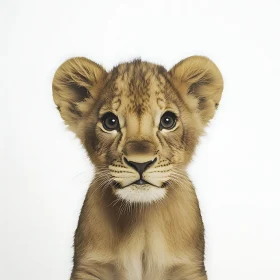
(145, 256)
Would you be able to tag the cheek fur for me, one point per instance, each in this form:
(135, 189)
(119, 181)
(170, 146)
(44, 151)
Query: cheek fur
(97, 144)
(179, 145)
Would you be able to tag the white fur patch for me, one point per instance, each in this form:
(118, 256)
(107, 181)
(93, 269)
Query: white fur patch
(142, 193)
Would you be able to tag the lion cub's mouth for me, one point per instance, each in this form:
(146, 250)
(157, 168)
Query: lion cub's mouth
(141, 182)
(138, 183)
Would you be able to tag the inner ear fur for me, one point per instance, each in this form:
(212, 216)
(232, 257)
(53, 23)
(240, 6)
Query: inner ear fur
(74, 85)
(200, 83)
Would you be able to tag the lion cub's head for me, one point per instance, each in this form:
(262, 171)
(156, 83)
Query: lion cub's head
(139, 122)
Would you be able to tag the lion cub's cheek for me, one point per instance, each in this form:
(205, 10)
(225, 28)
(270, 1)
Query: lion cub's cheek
(142, 194)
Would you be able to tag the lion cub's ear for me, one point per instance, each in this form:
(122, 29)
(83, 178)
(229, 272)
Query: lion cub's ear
(200, 83)
(74, 86)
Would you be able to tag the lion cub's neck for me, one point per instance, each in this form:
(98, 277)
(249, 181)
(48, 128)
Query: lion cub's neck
(119, 218)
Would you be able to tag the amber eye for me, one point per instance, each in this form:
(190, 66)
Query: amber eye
(168, 121)
(110, 122)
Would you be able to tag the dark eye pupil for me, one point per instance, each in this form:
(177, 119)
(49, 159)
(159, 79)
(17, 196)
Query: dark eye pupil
(168, 120)
(110, 121)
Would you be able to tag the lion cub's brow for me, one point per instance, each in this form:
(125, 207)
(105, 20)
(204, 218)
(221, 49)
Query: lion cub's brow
(136, 85)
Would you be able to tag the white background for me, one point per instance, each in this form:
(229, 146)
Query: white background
(45, 172)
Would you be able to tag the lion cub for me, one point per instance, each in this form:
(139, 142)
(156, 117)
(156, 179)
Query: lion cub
(139, 124)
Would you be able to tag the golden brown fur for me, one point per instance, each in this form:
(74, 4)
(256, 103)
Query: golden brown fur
(128, 231)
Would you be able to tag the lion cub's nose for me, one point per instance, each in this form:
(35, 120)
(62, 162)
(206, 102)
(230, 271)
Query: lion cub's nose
(140, 167)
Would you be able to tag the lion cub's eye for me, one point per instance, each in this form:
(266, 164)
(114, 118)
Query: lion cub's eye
(110, 122)
(167, 121)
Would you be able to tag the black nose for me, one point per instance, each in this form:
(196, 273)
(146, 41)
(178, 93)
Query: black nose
(140, 167)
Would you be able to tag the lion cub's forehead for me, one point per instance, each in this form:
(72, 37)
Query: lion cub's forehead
(138, 87)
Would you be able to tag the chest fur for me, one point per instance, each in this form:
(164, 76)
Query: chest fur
(146, 255)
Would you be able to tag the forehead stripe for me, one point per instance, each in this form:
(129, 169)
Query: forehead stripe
(160, 103)
(116, 104)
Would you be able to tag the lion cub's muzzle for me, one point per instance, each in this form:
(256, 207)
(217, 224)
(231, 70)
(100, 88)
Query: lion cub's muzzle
(140, 174)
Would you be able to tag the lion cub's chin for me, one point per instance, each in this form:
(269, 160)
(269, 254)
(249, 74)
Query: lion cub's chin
(141, 193)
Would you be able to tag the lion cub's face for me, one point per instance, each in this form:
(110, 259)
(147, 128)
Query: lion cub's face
(139, 123)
